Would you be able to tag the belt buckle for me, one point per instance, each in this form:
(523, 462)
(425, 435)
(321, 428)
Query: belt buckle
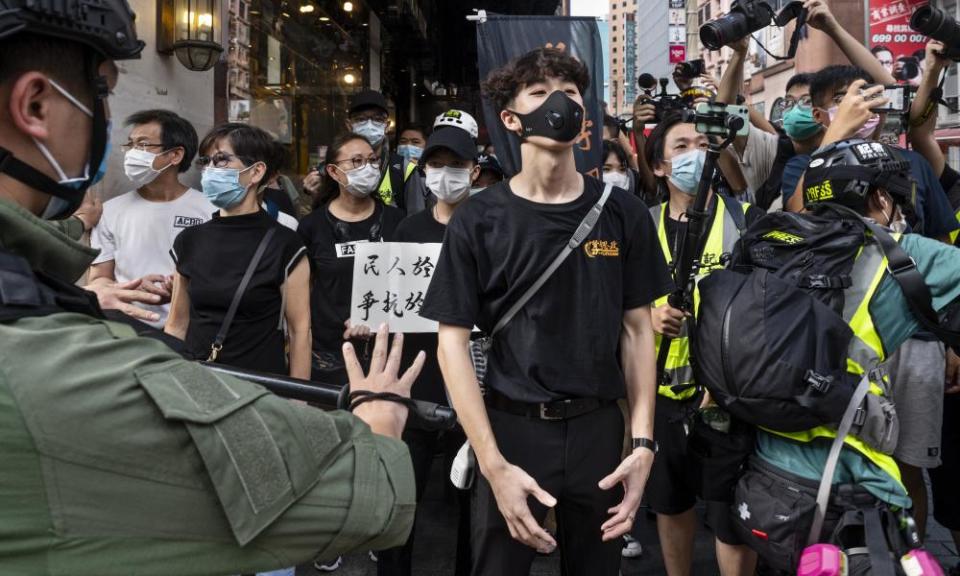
(548, 412)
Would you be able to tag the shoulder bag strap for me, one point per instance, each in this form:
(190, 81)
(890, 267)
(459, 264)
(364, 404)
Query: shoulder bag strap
(735, 208)
(586, 226)
(232, 311)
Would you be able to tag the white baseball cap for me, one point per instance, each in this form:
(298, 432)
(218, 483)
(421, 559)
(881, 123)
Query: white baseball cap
(460, 119)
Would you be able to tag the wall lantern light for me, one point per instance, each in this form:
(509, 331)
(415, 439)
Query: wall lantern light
(188, 29)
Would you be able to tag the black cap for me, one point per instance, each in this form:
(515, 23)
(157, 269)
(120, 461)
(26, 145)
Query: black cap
(367, 99)
(489, 162)
(457, 141)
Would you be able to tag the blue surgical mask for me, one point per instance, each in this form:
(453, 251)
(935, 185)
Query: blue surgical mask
(686, 170)
(409, 152)
(371, 130)
(799, 124)
(222, 186)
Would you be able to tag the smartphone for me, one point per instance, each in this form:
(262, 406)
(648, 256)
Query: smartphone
(707, 110)
(898, 99)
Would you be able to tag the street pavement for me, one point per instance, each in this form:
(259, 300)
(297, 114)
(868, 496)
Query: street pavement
(435, 544)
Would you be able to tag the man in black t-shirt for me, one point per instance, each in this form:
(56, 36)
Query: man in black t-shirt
(548, 426)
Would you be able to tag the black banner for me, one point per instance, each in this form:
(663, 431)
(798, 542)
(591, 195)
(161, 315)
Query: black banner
(504, 38)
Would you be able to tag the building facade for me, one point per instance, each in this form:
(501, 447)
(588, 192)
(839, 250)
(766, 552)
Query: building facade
(622, 19)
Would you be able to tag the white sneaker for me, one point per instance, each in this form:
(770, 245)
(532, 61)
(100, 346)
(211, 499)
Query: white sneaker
(631, 548)
(329, 566)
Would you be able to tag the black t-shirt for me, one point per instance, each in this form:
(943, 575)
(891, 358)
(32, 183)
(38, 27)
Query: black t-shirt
(422, 227)
(278, 200)
(213, 256)
(328, 240)
(563, 343)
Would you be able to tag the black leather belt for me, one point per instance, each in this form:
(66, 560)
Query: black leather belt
(556, 410)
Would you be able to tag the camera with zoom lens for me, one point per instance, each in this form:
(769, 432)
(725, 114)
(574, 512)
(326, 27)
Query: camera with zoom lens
(691, 68)
(938, 25)
(745, 18)
(663, 103)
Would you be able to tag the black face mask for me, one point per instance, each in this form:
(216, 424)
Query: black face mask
(558, 118)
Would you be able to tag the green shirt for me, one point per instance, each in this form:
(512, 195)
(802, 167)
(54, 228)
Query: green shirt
(118, 457)
(940, 265)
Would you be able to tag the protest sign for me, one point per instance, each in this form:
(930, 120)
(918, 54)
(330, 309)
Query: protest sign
(390, 280)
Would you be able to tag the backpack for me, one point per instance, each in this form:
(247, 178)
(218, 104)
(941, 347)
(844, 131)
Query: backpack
(771, 344)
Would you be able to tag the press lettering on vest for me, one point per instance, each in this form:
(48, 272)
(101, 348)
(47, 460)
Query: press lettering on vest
(186, 221)
(819, 192)
(784, 237)
(596, 248)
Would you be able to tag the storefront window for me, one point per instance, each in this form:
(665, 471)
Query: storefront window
(291, 69)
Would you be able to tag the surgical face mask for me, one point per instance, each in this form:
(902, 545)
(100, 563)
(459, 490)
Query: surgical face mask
(477, 189)
(448, 184)
(409, 152)
(559, 118)
(222, 186)
(686, 170)
(363, 181)
(138, 166)
(799, 124)
(371, 130)
(896, 221)
(618, 179)
(58, 206)
(866, 131)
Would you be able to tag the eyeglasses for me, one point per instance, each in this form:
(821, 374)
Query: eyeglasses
(220, 160)
(805, 102)
(140, 146)
(375, 116)
(360, 161)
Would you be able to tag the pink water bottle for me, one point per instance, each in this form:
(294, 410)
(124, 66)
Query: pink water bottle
(822, 560)
(920, 563)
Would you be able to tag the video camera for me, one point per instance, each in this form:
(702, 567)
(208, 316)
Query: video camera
(663, 103)
(938, 25)
(748, 16)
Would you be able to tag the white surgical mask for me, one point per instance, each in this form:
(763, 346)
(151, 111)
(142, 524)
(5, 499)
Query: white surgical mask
(618, 179)
(361, 182)
(138, 166)
(448, 184)
(372, 130)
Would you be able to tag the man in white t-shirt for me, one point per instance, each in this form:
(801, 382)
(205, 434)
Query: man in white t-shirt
(137, 229)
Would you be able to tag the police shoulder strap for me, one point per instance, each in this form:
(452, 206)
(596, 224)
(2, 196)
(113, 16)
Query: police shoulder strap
(235, 303)
(583, 230)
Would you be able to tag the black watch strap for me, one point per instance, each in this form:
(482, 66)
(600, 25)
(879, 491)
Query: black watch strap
(645, 443)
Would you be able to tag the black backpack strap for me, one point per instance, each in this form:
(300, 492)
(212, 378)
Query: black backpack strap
(874, 536)
(238, 295)
(735, 208)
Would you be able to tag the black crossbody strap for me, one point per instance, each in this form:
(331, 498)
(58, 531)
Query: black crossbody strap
(235, 303)
(583, 230)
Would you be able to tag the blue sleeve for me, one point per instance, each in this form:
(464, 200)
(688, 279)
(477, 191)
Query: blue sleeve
(791, 175)
(940, 265)
(938, 217)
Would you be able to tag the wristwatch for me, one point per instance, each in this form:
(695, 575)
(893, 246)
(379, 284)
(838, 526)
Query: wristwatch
(645, 443)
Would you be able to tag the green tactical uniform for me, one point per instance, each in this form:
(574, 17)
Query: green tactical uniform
(119, 457)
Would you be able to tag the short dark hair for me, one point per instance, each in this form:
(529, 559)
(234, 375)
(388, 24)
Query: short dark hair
(415, 127)
(615, 148)
(503, 84)
(175, 132)
(249, 143)
(67, 62)
(801, 79)
(880, 48)
(832, 78)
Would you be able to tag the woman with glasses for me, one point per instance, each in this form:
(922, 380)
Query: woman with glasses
(241, 277)
(346, 212)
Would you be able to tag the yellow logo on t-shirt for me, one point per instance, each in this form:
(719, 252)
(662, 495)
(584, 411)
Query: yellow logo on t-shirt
(596, 248)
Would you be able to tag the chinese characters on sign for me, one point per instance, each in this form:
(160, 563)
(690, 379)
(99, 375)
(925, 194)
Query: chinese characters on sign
(890, 26)
(390, 280)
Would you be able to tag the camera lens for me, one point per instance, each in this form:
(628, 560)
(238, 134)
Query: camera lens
(938, 25)
(722, 31)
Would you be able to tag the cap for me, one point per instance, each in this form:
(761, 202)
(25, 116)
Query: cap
(367, 99)
(490, 162)
(846, 172)
(460, 119)
(457, 141)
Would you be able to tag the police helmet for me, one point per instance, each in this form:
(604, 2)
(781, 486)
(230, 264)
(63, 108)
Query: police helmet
(846, 172)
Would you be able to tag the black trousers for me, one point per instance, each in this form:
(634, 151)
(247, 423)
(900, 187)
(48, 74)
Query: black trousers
(424, 445)
(567, 458)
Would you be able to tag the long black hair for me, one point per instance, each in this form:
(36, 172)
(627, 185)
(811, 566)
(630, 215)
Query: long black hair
(330, 188)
